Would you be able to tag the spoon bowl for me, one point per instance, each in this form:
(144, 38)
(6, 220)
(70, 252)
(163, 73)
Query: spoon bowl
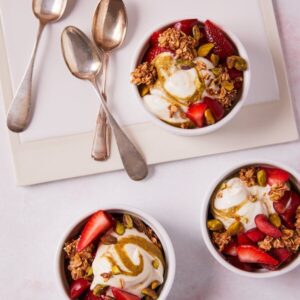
(109, 24)
(48, 10)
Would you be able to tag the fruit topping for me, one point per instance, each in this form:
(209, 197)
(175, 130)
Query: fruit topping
(186, 26)
(265, 226)
(223, 46)
(252, 254)
(154, 37)
(243, 239)
(276, 176)
(230, 249)
(122, 295)
(91, 296)
(255, 235)
(281, 205)
(288, 216)
(216, 108)
(154, 51)
(238, 264)
(281, 254)
(78, 287)
(97, 224)
(196, 113)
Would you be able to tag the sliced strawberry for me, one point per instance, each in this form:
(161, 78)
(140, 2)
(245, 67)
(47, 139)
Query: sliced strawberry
(216, 108)
(276, 176)
(255, 235)
(91, 296)
(265, 226)
(288, 216)
(97, 224)
(281, 205)
(186, 26)
(281, 254)
(252, 254)
(230, 249)
(240, 265)
(223, 45)
(78, 287)
(234, 73)
(196, 113)
(154, 37)
(121, 295)
(243, 239)
(153, 52)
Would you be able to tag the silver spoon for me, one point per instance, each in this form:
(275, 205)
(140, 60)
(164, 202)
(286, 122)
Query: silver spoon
(109, 30)
(83, 61)
(19, 114)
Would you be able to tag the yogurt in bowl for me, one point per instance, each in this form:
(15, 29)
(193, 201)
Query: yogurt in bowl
(191, 77)
(251, 219)
(116, 254)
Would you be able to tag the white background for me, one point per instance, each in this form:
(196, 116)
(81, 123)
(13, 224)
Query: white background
(33, 219)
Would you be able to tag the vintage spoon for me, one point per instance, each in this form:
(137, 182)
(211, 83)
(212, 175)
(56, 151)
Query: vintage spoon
(19, 114)
(83, 61)
(109, 30)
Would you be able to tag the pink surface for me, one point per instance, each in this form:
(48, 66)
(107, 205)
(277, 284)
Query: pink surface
(33, 219)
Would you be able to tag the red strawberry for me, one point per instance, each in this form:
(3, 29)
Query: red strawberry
(153, 52)
(230, 249)
(91, 296)
(281, 205)
(196, 113)
(265, 226)
(186, 25)
(234, 73)
(243, 239)
(154, 37)
(281, 254)
(288, 216)
(216, 108)
(78, 287)
(223, 45)
(276, 176)
(121, 295)
(238, 264)
(252, 254)
(97, 224)
(255, 235)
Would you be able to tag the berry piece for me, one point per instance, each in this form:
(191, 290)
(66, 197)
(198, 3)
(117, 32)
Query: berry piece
(230, 249)
(97, 224)
(281, 254)
(243, 239)
(78, 287)
(276, 176)
(196, 113)
(186, 26)
(240, 265)
(255, 235)
(281, 205)
(121, 295)
(91, 296)
(216, 108)
(154, 51)
(289, 214)
(154, 37)
(252, 254)
(223, 45)
(265, 226)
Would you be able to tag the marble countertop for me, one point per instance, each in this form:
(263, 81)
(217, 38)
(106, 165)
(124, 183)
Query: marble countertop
(34, 218)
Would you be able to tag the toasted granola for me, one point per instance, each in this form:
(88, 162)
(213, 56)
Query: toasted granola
(144, 74)
(183, 45)
(248, 176)
(277, 191)
(297, 224)
(221, 239)
(266, 244)
(79, 263)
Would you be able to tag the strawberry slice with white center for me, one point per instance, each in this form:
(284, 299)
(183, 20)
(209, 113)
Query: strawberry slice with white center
(252, 254)
(98, 223)
(276, 176)
(265, 226)
(196, 113)
(122, 295)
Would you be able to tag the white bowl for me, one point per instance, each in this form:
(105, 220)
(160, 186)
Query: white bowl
(150, 221)
(205, 232)
(204, 130)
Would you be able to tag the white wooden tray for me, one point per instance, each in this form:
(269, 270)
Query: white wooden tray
(57, 144)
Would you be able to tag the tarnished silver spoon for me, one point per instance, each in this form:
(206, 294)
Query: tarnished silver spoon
(83, 61)
(109, 30)
(19, 114)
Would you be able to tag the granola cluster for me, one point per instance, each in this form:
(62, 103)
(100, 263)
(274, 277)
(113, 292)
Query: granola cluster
(183, 45)
(144, 74)
(79, 262)
(277, 191)
(248, 176)
(221, 239)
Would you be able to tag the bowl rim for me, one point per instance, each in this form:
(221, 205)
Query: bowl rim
(205, 207)
(148, 219)
(204, 130)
